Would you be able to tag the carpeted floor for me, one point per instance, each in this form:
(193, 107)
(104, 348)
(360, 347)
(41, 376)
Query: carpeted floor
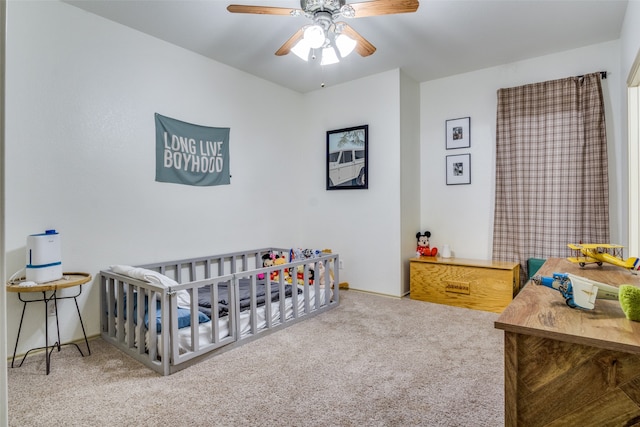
(373, 361)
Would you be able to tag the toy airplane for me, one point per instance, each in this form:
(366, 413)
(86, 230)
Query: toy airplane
(589, 253)
(580, 292)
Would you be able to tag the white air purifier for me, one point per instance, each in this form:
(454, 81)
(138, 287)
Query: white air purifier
(44, 257)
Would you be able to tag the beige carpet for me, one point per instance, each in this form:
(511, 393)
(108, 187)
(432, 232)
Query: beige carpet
(373, 361)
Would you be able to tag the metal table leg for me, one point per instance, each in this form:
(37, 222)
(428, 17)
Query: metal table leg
(46, 330)
(58, 344)
(24, 307)
(86, 341)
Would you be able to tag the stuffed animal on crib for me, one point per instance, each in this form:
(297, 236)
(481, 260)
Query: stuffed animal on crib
(300, 274)
(297, 253)
(423, 245)
(267, 261)
(311, 253)
(321, 275)
(279, 260)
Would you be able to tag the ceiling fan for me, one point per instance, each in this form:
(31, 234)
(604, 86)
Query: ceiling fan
(335, 39)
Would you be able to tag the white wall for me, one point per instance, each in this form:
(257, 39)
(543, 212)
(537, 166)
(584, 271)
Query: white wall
(410, 175)
(630, 40)
(80, 143)
(462, 215)
(365, 224)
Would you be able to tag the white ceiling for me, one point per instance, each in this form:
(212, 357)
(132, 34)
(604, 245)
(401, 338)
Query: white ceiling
(443, 38)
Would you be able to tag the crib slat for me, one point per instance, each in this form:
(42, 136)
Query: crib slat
(152, 338)
(165, 334)
(135, 322)
(295, 297)
(317, 300)
(336, 280)
(283, 301)
(173, 321)
(111, 306)
(267, 301)
(207, 269)
(306, 297)
(195, 322)
(120, 308)
(306, 278)
(235, 306)
(253, 305)
(215, 312)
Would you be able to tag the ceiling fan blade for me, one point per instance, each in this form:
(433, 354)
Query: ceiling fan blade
(364, 47)
(261, 10)
(286, 47)
(384, 7)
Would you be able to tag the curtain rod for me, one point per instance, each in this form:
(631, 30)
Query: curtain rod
(603, 75)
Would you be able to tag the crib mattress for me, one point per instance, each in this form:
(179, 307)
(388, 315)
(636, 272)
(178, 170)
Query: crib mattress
(205, 329)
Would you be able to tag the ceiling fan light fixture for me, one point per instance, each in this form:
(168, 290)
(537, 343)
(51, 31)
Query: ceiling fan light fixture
(345, 45)
(314, 36)
(301, 49)
(329, 56)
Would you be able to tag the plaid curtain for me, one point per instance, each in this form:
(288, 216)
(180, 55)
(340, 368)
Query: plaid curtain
(551, 169)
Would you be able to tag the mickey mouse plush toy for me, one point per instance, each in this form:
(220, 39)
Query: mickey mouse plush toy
(423, 245)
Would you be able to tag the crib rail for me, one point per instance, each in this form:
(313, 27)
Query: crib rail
(193, 269)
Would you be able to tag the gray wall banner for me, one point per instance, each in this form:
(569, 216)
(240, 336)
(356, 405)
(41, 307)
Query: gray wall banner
(191, 154)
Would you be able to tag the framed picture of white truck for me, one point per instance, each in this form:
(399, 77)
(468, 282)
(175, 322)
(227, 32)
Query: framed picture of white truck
(347, 158)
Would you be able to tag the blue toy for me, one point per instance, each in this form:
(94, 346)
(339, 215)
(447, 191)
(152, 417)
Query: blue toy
(577, 291)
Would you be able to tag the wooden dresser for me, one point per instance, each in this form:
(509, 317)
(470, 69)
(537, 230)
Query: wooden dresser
(478, 284)
(570, 367)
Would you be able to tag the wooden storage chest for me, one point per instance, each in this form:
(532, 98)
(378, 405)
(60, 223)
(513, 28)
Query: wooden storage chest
(478, 284)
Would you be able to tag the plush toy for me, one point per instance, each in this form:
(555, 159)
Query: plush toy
(321, 275)
(267, 261)
(300, 274)
(629, 297)
(311, 253)
(423, 245)
(298, 253)
(276, 274)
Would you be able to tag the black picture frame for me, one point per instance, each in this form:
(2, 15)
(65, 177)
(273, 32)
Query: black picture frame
(347, 164)
(458, 169)
(458, 133)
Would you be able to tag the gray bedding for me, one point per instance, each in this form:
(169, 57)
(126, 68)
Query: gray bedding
(204, 296)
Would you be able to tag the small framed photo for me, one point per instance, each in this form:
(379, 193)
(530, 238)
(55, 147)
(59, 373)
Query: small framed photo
(459, 169)
(347, 158)
(458, 133)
